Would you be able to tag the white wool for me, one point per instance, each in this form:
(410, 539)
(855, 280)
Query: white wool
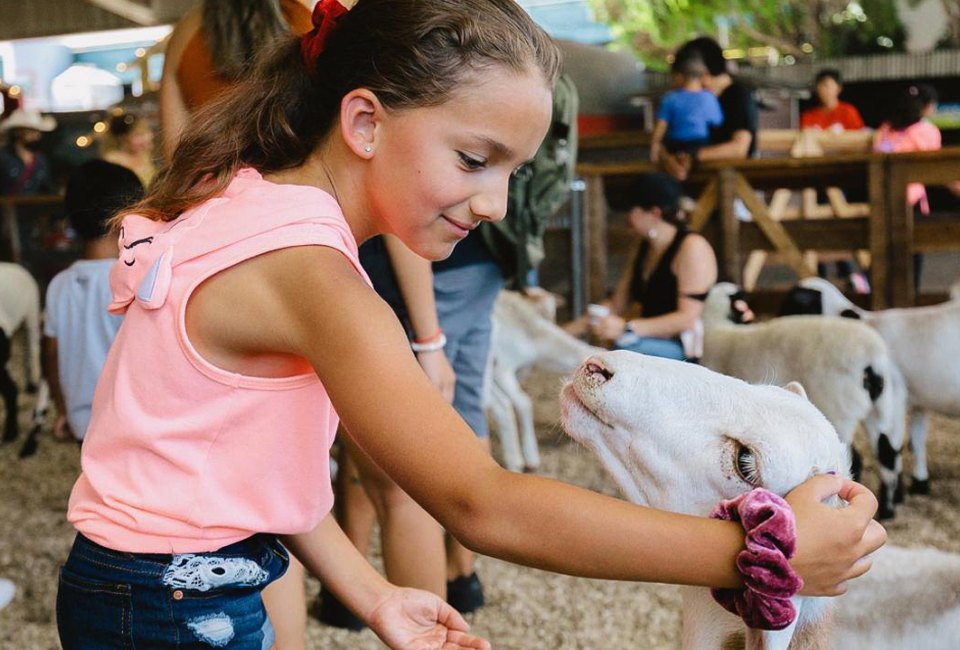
(524, 338)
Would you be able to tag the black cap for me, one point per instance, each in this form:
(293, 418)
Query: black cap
(651, 190)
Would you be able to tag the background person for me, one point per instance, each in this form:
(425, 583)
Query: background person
(736, 136)
(831, 113)
(669, 272)
(687, 113)
(212, 47)
(128, 142)
(24, 169)
(77, 328)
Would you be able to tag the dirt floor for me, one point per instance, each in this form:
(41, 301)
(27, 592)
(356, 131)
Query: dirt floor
(527, 609)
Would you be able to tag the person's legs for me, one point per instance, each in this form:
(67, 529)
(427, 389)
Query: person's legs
(465, 298)
(353, 508)
(411, 540)
(286, 604)
(655, 347)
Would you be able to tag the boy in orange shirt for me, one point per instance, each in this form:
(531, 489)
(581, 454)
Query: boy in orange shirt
(832, 114)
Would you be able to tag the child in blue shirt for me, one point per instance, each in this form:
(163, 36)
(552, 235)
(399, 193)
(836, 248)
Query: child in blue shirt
(685, 114)
(78, 330)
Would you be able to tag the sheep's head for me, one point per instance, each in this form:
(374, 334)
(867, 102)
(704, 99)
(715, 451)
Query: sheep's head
(818, 296)
(727, 303)
(679, 437)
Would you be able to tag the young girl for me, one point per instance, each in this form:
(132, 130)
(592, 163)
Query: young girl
(248, 320)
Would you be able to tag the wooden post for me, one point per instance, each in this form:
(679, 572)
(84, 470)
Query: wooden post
(11, 230)
(879, 235)
(595, 238)
(900, 217)
(706, 204)
(729, 226)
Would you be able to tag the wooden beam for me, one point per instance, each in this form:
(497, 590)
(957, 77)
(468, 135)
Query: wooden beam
(132, 11)
(771, 228)
(706, 204)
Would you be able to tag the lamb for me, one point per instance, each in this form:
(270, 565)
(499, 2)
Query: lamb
(924, 343)
(524, 336)
(845, 366)
(679, 437)
(19, 306)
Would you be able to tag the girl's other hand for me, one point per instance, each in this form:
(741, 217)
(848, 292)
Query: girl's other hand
(412, 619)
(439, 371)
(609, 328)
(833, 544)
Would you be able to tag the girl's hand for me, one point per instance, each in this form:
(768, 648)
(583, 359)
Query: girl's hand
(609, 328)
(439, 371)
(833, 544)
(412, 619)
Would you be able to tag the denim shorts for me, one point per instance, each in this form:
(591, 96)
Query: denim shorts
(110, 599)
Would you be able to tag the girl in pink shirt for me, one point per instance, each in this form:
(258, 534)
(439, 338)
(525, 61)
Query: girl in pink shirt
(251, 330)
(907, 130)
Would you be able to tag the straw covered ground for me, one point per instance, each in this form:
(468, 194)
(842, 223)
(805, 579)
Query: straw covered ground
(527, 609)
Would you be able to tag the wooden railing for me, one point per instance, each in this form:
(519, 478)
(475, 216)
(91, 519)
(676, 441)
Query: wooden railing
(888, 232)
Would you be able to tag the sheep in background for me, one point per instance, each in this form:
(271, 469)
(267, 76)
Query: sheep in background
(844, 365)
(909, 599)
(524, 336)
(19, 306)
(679, 437)
(923, 341)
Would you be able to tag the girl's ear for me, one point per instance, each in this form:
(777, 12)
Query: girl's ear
(360, 115)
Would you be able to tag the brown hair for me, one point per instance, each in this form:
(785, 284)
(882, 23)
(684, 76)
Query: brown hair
(236, 30)
(411, 53)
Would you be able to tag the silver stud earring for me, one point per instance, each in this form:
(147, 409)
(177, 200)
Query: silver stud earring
(367, 148)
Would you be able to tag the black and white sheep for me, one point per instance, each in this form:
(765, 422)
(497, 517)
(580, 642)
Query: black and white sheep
(844, 365)
(19, 307)
(924, 343)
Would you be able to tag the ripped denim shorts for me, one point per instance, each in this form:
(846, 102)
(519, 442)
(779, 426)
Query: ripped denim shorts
(110, 599)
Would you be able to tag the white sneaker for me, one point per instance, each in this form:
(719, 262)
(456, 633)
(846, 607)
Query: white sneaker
(7, 589)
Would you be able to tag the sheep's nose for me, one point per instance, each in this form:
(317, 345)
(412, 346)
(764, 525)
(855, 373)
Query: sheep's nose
(597, 371)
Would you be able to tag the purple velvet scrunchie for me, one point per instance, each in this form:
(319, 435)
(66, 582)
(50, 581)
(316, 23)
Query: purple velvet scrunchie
(764, 602)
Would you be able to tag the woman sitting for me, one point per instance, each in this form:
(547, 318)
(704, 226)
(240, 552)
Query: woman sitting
(669, 272)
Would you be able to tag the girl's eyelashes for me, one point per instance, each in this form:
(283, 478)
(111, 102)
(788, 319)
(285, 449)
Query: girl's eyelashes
(470, 162)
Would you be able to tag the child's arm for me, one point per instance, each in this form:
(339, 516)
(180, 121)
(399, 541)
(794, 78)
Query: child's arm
(415, 280)
(51, 371)
(394, 414)
(403, 618)
(656, 140)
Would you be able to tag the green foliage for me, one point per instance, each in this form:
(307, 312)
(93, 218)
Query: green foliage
(798, 28)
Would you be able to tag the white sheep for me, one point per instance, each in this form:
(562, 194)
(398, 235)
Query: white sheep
(524, 336)
(844, 365)
(909, 599)
(923, 341)
(679, 437)
(19, 307)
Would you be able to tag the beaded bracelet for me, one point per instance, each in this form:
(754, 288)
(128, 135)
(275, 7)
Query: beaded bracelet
(769, 580)
(432, 344)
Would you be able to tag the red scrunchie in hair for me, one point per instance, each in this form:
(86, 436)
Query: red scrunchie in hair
(326, 15)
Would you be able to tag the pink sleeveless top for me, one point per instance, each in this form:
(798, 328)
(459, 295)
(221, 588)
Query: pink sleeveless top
(182, 456)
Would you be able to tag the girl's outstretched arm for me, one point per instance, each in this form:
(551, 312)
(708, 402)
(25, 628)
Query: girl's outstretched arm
(321, 309)
(403, 618)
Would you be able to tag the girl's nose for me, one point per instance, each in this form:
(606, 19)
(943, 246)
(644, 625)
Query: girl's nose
(490, 204)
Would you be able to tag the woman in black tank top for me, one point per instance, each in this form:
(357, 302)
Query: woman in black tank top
(666, 279)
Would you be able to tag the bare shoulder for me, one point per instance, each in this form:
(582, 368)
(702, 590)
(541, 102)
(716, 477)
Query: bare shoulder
(695, 245)
(185, 29)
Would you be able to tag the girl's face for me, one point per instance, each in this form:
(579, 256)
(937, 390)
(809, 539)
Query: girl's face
(643, 221)
(438, 171)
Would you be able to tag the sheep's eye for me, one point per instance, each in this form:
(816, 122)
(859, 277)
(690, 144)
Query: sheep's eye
(747, 465)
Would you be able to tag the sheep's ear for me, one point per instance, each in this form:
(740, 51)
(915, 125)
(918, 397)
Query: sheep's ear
(796, 387)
